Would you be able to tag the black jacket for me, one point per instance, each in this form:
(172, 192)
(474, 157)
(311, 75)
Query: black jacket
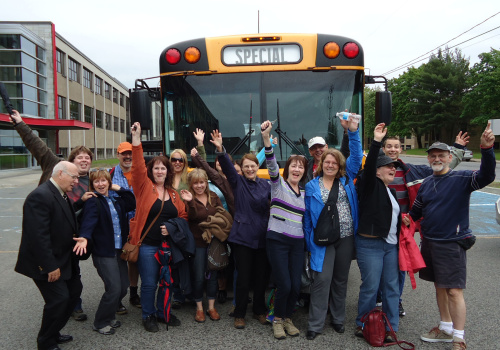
(183, 247)
(375, 207)
(49, 225)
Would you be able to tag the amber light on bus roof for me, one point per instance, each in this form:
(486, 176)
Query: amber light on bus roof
(192, 54)
(351, 50)
(261, 38)
(331, 49)
(173, 56)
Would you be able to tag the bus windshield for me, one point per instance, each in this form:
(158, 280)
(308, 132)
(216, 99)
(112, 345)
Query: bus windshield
(235, 103)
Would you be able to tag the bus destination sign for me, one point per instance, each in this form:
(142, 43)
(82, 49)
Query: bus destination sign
(250, 55)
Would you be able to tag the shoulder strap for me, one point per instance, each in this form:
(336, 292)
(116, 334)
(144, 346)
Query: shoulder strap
(334, 192)
(154, 220)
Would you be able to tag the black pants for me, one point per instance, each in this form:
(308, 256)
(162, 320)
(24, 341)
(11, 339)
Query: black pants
(60, 298)
(250, 262)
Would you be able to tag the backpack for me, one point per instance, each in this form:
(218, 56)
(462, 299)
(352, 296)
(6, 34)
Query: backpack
(217, 255)
(374, 323)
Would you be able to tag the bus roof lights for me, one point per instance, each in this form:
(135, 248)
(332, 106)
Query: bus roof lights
(192, 55)
(173, 56)
(351, 50)
(331, 49)
(261, 38)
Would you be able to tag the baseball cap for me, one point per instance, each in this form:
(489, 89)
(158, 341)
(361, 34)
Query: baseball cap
(124, 147)
(316, 141)
(438, 145)
(384, 160)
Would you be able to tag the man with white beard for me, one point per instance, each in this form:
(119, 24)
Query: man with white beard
(443, 201)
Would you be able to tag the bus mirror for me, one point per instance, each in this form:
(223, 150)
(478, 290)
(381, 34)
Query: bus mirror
(140, 108)
(383, 107)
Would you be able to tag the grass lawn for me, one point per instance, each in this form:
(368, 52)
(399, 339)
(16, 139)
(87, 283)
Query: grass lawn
(422, 152)
(105, 163)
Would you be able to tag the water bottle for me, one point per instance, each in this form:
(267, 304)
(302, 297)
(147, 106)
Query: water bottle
(345, 115)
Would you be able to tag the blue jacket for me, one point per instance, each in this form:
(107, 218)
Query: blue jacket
(314, 203)
(97, 225)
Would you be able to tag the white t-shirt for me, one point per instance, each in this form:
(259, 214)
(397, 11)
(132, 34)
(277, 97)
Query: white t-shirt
(391, 237)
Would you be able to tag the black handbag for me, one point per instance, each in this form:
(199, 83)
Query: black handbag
(327, 229)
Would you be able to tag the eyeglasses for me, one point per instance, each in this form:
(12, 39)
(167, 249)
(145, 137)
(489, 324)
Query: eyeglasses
(74, 177)
(180, 160)
(296, 155)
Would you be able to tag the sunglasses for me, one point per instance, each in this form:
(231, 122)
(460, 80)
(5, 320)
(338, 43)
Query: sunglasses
(97, 169)
(180, 160)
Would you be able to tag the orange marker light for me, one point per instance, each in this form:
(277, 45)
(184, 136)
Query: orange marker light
(351, 50)
(331, 50)
(192, 54)
(173, 56)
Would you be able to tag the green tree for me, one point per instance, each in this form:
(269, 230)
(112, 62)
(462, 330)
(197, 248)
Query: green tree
(369, 110)
(482, 102)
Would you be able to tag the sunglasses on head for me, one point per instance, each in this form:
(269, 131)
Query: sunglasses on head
(180, 160)
(97, 169)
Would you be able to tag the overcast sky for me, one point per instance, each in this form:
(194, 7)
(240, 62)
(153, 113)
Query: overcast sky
(125, 37)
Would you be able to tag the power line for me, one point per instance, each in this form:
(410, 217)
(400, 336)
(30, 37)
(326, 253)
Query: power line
(404, 65)
(451, 47)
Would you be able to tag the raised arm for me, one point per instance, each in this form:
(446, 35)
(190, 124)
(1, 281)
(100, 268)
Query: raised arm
(370, 171)
(486, 173)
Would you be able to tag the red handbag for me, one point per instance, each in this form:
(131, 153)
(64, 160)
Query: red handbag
(374, 323)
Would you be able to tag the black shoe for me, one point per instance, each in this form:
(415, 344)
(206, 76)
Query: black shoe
(401, 310)
(176, 305)
(150, 324)
(115, 323)
(55, 347)
(174, 321)
(310, 335)
(79, 315)
(122, 310)
(135, 300)
(359, 332)
(64, 338)
(222, 296)
(339, 328)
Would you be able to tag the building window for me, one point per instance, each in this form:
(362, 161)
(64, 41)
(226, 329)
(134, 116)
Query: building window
(98, 119)
(61, 105)
(60, 62)
(107, 91)
(74, 110)
(115, 96)
(122, 126)
(87, 78)
(73, 69)
(115, 124)
(98, 85)
(88, 113)
(122, 100)
(108, 121)
(100, 153)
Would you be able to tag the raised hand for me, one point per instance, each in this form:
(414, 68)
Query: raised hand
(487, 138)
(462, 139)
(199, 135)
(135, 130)
(353, 124)
(265, 128)
(216, 140)
(379, 132)
(186, 195)
(194, 152)
(15, 117)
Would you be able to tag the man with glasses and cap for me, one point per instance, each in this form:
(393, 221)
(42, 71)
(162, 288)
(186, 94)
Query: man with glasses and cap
(443, 204)
(121, 175)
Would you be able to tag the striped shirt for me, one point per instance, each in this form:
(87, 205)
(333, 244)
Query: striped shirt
(287, 206)
(401, 191)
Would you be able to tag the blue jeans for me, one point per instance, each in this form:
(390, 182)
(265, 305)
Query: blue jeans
(149, 270)
(198, 268)
(378, 260)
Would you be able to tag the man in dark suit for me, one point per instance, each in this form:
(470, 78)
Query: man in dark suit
(45, 253)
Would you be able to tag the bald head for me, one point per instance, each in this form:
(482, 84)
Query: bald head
(65, 174)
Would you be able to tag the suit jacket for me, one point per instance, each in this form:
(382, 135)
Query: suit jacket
(49, 225)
